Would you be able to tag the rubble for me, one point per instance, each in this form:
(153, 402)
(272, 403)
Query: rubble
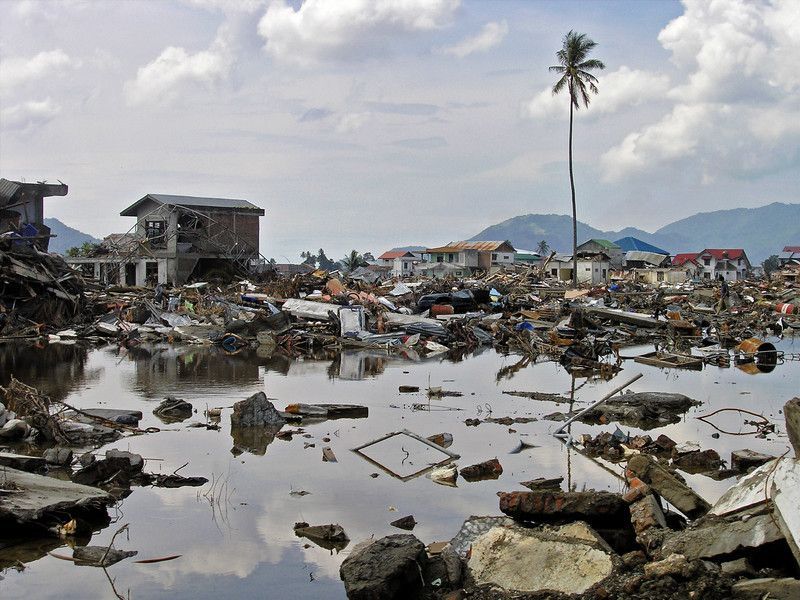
(389, 568)
(490, 469)
(668, 486)
(256, 411)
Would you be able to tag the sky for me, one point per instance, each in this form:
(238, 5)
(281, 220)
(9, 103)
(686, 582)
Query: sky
(369, 124)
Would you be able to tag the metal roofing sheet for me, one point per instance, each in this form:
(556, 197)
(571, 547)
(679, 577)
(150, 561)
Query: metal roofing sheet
(631, 243)
(194, 201)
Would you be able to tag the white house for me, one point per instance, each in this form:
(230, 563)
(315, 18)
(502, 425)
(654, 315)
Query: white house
(729, 263)
(402, 262)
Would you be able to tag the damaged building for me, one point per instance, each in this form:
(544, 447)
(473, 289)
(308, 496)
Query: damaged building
(178, 238)
(22, 210)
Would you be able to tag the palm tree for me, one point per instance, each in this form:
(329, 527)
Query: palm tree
(542, 248)
(352, 261)
(575, 67)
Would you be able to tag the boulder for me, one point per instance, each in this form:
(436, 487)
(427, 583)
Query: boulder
(768, 587)
(58, 456)
(568, 559)
(385, 569)
(256, 411)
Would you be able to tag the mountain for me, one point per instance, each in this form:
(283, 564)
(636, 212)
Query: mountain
(760, 231)
(67, 236)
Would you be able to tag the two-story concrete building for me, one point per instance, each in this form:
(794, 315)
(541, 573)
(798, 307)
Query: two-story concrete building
(176, 238)
(402, 263)
(473, 255)
(712, 263)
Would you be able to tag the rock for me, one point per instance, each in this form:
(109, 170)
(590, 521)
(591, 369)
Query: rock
(406, 523)
(22, 462)
(40, 501)
(744, 460)
(446, 475)
(674, 564)
(734, 568)
(15, 429)
(646, 513)
(542, 483)
(668, 486)
(490, 469)
(99, 556)
(791, 412)
(568, 559)
(58, 456)
(772, 588)
(665, 443)
(721, 536)
(634, 558)
(173, 410)
(698, 461)
(331, 537)
(128, 462)
(545, 505)
(387, 568)
(255, 411)
(86, 459)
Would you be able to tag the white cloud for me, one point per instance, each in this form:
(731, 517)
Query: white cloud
(322, 30)
(228, 6)
(19, 70)
(28, 115)
(618, 89)
(735, 72)
(161, 80)
(490, 36)
(351, 122)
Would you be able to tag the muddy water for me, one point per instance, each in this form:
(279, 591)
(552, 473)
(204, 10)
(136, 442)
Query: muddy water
(236, 540)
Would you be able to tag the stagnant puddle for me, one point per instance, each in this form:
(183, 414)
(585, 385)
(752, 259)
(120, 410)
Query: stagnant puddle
(236, 537)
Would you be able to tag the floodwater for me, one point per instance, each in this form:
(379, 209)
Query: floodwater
(236, 537)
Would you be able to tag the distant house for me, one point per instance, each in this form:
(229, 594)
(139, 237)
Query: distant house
(176, 238)
(474, 255)
(593, 269)
(629, 243)
(22, 209)
(401, 262)
(527, 257)
(789, 256)
(641, 259)
(440, 270)
(595, 247)
(729, 263)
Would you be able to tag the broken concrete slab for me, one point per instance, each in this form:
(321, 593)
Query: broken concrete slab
(388, 568)
(791, 412)
(744, 460)
(768, 587)
(720, 536)
(330, 537)
(58, 456)
(255, 411)
(548, 505)
(489, 469)
(568, 559)
(328, 411)
(32, 464)
(674, 564)
(669, 487)
(42, 501)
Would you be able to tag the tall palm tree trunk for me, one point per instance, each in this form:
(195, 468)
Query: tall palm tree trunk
(574, 212)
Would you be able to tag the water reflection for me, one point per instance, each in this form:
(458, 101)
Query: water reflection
(55, 369)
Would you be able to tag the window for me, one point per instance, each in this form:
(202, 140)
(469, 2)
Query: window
(449, 258)
(494, 256)
(506, 257)
(155, 232)
(589, 268)
(554, 272)
(439, 258)
(151, 272)
(660, 276)
(706, 261)
(707, 275)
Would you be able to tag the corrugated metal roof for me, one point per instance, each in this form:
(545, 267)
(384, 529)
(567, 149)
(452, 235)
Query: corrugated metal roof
(791, 248)
(193, 202)
(631, 243)
(489, 246)
(653, 258)
(7, 190)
